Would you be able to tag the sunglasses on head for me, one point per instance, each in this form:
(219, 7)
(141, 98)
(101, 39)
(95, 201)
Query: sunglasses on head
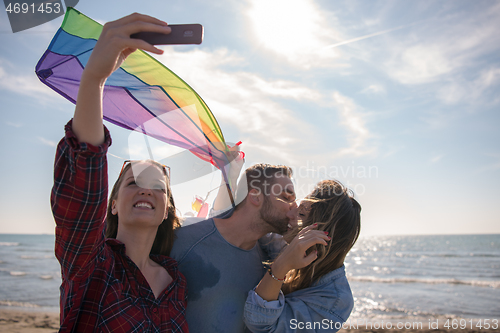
(166, 169)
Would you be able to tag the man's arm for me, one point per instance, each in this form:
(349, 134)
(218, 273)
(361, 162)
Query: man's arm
(222, 202)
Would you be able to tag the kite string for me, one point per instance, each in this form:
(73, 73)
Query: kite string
(147, 142)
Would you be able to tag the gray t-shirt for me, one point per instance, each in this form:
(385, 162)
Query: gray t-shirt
(219, 276)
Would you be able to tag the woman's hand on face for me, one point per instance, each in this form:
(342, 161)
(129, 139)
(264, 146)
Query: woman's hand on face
(294, 256)
(115, 45)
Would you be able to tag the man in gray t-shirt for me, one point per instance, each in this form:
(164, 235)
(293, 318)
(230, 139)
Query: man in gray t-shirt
(221, 258)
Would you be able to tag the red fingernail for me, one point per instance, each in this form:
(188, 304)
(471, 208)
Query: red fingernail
(315, 225)
(326, 232)
(329, 238)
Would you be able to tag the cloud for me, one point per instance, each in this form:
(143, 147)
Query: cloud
(420, 64)
(448, 50)
(47, 142)
(461, 90)
(436, 159)
(27, 85)
(392, 150)
(255, 110)
(491, 167)
(354, 122)
(374, 89)
(244, 101)
(16, 125)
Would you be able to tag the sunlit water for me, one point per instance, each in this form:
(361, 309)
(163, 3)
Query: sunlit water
(426, 276)
(391, 277)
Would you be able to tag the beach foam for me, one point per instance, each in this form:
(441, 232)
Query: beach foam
(18, 304)
(476, 283)
(9, 244)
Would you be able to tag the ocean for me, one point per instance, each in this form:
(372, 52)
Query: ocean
(397, 277)
(392, 277)
(30, 274)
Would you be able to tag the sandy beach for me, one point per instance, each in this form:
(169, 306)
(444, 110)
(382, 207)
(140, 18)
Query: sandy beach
(21, 321)
(26, 321)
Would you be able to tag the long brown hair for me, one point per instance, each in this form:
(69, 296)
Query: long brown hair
(336, 211)
(164, 239)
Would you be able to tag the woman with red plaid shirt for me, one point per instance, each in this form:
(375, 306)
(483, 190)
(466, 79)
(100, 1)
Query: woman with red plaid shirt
(116, 278)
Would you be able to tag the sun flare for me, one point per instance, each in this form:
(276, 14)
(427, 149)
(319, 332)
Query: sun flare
(294, 29)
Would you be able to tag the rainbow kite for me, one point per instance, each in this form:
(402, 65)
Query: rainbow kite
(142, 95)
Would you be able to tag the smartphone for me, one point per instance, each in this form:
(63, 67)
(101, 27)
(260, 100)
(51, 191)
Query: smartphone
(181, 34)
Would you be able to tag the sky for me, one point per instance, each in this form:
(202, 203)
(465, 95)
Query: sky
(398, 100)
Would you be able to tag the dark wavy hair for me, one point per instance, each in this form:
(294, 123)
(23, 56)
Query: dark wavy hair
(336, 211)
(164, 239)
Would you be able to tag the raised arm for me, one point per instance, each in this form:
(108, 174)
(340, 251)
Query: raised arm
(79, 194)
(222, 201)
(112, 48)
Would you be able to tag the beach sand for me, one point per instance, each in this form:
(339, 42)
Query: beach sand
(21, 321)
(26, 321)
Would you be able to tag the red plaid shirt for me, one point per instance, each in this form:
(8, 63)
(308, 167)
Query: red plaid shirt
(102, 289)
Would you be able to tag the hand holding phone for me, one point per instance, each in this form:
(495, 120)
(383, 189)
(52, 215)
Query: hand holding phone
(181, 34)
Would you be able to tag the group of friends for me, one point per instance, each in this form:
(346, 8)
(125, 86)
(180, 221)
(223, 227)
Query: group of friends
(128, 265)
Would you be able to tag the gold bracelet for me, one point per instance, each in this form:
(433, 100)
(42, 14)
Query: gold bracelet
(270, 270)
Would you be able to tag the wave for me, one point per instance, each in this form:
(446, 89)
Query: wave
(464, 255)
(486, 284)
(18, 304)
(444, 255)
(37, 257)
(9, 244)
(29, 257)
(42, 276)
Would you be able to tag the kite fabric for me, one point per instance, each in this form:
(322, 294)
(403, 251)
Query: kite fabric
(142, 95)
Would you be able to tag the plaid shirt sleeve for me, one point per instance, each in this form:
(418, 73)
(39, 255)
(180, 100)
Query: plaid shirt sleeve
(79, 200)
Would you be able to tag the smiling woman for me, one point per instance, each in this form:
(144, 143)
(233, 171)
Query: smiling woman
(296, 30)
(153, 178)
(125, 282)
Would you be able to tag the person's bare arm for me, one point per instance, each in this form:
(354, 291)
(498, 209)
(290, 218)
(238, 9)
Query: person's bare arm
(112, 48)
(222, 200)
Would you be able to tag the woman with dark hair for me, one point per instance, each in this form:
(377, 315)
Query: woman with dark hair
(116, 273)
(306, 289)
(165, 235)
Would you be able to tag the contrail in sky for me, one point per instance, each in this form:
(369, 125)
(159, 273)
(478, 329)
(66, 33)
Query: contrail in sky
(367, 36)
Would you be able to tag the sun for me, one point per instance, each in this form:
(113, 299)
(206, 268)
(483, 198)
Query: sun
(291, 28)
